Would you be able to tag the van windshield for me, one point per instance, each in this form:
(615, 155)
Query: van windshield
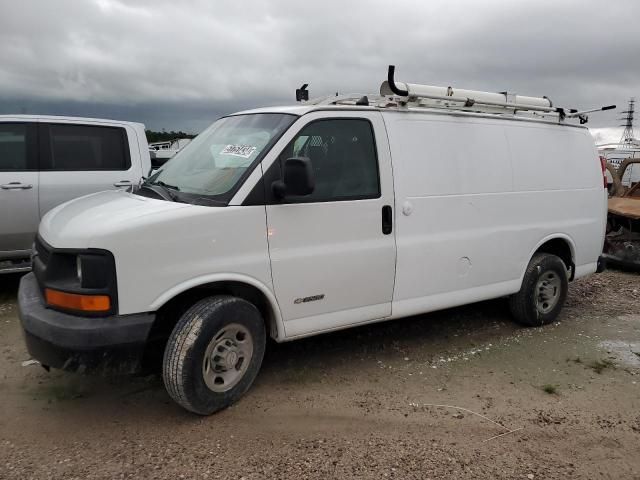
(215, 163)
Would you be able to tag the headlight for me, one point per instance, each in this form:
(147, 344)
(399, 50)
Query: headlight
(79, 281)
(94, 270)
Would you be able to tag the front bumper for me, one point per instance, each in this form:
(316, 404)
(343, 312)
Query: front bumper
(109, 345)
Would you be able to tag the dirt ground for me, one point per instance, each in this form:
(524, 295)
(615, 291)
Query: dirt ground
(373, 402)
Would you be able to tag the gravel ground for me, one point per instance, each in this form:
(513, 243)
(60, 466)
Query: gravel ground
(461, 393)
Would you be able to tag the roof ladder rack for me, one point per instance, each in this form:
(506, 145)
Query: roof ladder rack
(412, 94)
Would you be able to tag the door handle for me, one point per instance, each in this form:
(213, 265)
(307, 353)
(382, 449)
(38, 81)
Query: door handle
(123, 183)
(16, 186)
(387, 219)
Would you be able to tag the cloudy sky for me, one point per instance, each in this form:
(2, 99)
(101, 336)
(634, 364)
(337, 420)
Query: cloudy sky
(180, 65)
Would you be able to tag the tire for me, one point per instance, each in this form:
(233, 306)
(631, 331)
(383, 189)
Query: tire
(543, 292)
(214, 354)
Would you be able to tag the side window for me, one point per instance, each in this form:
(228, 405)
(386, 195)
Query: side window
(81, 147)
(343, 155)
(16, 142)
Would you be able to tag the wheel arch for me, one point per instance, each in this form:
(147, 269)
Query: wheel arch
(173, 301)
(558, 244)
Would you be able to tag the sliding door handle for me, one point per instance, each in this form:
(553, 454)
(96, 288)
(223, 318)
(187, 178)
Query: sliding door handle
(387, 220)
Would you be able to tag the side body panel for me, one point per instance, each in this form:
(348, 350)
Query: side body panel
(475, 198)
(558, 174)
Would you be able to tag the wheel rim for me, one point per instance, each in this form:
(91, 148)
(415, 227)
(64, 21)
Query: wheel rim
(548, 291)
(227, 357)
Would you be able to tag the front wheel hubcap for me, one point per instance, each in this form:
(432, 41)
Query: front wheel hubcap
(227, 357)
(548, 290)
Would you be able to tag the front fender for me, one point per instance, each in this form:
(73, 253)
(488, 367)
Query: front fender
(219, 278)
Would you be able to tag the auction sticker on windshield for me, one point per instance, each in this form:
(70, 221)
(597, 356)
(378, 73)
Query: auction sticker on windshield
(244, 151)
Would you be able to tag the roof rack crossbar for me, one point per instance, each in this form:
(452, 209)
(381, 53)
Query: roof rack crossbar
(336, 99)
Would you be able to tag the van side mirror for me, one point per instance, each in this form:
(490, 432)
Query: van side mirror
(299, 179)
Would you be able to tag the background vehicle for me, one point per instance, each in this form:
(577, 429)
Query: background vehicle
(161, 152)
(294, 221)
(622, 243)
(45, 161)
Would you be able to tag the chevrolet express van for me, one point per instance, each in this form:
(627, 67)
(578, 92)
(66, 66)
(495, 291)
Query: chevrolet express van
(293, 221)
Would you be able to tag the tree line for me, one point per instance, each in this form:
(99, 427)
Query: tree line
(166, 136)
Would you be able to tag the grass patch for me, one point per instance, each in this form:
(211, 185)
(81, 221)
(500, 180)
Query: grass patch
(59, 393)
(550, 389)
(599, 366)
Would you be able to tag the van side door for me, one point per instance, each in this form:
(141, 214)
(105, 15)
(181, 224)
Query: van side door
(18, 189)
(333, 252)
(77, 160)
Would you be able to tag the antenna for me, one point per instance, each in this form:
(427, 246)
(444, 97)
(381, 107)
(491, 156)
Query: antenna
(628, 140)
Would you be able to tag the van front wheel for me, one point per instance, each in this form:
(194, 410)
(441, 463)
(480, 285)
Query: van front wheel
(543, 291)
(214, 354)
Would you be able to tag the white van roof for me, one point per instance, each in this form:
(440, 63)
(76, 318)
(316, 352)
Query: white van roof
(59, 118)
(303, 109)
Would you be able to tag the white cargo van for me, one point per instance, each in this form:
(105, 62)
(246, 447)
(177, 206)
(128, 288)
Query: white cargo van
(47, 160)
(293, 221)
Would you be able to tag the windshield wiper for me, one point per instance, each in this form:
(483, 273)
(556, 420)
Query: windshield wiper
(165, 185)
(207, 201)
(169, 192)
(161, 189)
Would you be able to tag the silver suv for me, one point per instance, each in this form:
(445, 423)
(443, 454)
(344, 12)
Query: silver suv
(46, 161)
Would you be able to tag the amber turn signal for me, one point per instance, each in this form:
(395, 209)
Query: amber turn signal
(73, 301)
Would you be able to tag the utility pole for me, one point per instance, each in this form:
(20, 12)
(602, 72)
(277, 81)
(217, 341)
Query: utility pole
(628, 140)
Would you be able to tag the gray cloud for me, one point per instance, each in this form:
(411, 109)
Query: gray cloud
(181, 64)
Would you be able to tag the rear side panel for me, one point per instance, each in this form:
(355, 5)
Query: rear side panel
(558, 176)
(476, 196)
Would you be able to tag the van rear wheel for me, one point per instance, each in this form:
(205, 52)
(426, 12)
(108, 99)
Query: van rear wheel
(214, 353)
(543, 291)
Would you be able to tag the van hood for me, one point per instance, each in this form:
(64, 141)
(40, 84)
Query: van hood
(80, 222)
